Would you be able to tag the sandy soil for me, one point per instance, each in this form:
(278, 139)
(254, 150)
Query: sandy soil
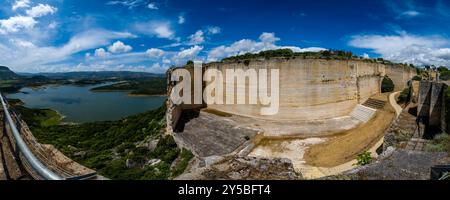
(349, 144)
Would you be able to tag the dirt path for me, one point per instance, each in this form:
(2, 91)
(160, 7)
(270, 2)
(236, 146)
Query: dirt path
(347, 146)
(393, 102)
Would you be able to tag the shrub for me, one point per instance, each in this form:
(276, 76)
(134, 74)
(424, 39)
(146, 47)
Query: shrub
(364, 158)
(387, 85)
(417, 78)
(404, 95)
(246, 62)
(445, 75)
(440, 143)
(185, 157)
(166, 149)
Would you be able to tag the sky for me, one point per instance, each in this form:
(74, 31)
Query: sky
(153, 35)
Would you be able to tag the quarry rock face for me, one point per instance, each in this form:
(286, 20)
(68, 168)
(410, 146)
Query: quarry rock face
(312, 89)
(251, 168)
(309, 89)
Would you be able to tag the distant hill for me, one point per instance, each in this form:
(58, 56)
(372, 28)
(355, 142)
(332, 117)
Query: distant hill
(7, 74)
(99, 75)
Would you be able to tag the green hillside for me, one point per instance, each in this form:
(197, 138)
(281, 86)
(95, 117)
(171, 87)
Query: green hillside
(132, 148)
(7, 74)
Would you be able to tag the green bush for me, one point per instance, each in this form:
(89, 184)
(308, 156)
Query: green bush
(185, 157)
(364, 158)
(166, 149)
(417, 78)
(246, 62)
(404, 95)
(387, 85)
(445, 75)
(440, 143)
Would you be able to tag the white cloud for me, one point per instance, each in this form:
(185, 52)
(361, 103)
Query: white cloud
(365, 55)
(32, 57)
(41, 10)
(127, 3)
(212, 30)
(266, 42)
(52, 25)
(410, 13)
(196, 38)
(301, 50)
(188, 54)
(157, 69)
(22, 43)
(407, 48)
(156, 28)
(443, 53)
(181, 19)
(21, 4)
(152, 6)
(404, 9)
(166, 61)
(16, 23)
(154, 53)
(119, 47)
(100, 52)
(268, 38)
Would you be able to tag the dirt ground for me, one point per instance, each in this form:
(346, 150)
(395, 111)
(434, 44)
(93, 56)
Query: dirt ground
(349, 144)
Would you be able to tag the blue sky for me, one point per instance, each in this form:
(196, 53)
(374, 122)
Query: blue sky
(152, 35)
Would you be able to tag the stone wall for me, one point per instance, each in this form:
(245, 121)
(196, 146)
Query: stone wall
(432, 105)
(310, 89)
(173, 112)
(445, 118)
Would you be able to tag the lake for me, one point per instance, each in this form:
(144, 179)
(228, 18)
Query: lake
(78, 104)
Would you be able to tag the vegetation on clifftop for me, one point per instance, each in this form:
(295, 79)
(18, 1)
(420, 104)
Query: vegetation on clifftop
(326, 54)
(288, 53)
(445, 73)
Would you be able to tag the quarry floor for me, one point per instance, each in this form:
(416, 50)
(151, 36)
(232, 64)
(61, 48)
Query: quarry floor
(316, 157)
(349, 144)
(316, 149)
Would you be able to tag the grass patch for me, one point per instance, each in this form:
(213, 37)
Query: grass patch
(185, 157)
(404, 96)
(364, 158)
(440, 143)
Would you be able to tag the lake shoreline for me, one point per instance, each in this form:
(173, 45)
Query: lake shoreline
(75, 104)
(128, 93)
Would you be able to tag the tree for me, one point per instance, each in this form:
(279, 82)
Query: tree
(417, 78)
(443, 69)
(387, 85)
